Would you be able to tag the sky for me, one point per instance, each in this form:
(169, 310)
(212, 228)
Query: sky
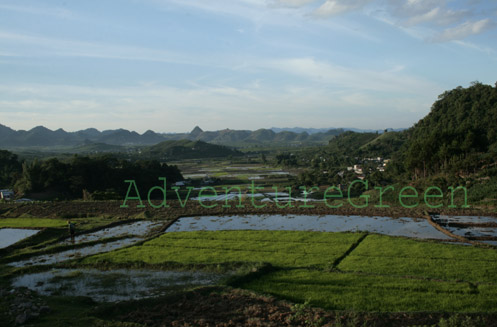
(169, 65)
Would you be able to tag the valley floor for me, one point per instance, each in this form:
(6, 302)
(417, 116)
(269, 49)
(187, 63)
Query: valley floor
(265, 277)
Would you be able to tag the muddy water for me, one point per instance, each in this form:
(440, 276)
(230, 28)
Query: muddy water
(139, 228)
(48, 259)
(419, 228)
(113, 286)
(9, 236)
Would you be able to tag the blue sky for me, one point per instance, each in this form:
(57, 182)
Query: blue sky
(168, 65)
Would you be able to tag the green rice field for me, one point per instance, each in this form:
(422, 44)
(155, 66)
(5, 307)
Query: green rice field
(339, 271)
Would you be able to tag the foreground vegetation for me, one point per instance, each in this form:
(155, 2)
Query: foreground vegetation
(282, 248)
(346, 279)
(339, 271)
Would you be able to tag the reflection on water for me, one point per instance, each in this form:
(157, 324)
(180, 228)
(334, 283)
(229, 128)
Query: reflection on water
(9, 236)
(135, 232)
(419, 228)
(115, 285)
(54, 258)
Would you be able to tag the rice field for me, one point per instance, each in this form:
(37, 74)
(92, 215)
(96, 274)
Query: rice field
(402, 257)
(32, 222)
(338, 271)
(279, 248)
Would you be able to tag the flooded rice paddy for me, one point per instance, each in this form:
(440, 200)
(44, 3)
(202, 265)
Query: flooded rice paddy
(409, 227)
(135, 232)
(281, 197)
(138, 229)
(54, 258)
(116, 285)
(9, 236)
(483, 229)
(250, 172)
(128, 284)
(130, 233)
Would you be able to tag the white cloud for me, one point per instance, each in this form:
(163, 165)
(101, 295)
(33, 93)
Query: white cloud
(424, 17)
(436, 20)
(484, 49)
(336, 7)
(414, 12)
(49, 46)
(328, 74)
(463, 30)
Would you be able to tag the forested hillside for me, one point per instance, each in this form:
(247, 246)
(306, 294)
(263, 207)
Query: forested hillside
(186, 149)
(458, 136)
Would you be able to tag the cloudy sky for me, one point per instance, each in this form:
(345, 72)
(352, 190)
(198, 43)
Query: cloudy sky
(168, 65)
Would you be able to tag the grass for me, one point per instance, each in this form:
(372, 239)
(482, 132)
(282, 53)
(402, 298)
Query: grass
(339, 271)
(31, 222)
(280, 248)
(346, 291)
(402, 257)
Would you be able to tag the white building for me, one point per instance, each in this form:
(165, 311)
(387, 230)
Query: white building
(358, 169)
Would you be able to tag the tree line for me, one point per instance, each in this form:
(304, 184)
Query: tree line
(81, 175)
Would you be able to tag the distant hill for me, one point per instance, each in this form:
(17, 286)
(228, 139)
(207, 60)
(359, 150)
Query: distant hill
(89, 148)
(44, 137)
(325, 130)
(240, 138)
(187, 149)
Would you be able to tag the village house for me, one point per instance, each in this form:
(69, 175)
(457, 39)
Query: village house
(6, 195)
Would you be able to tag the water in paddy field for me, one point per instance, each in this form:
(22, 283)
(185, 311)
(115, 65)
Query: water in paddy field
(53, 258)
(266, 197)
(409, 227)
(470, 227)
(441, 219)
(139, 228)
(116, 285)
(9, 236)
(132, 234)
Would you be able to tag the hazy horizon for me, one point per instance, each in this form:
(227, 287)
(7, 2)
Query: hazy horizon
(169, 65)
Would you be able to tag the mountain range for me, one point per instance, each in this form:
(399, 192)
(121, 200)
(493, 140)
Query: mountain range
(43, 137)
